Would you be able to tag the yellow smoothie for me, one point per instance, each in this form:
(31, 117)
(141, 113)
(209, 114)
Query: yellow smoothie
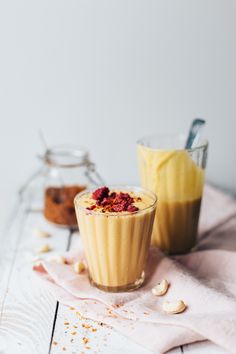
(178, 183)
(116, 243)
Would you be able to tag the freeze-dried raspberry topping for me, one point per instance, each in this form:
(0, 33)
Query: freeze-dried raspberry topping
(132, 208)
(107, 201)
(121, 206)
(100, 193)
(92, 207)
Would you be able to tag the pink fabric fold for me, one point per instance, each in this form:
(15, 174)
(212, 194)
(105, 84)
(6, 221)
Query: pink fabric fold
(204, 279)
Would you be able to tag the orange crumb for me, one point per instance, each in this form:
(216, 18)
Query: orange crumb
(118, 305)
(94, 329)
(86, 325)
(54, 343)
(73, 333)
(66, 323)
(85, 340)
(72, 308)
(87, 347)
(111, 314)
(75, 326)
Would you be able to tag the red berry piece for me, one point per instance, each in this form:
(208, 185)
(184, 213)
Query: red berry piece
(118, 208)
(100, 193)
(92, 207)
(132, 208)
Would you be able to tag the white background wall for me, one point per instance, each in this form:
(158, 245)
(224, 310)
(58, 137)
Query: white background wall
(103, 73)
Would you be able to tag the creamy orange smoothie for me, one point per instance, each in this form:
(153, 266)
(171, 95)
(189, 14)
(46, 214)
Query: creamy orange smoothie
(178, 182)
(116, 227)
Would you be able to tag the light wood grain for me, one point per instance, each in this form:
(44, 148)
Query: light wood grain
(28, 308)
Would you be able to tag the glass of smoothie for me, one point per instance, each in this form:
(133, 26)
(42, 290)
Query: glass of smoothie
(176, 175)
(116, 226)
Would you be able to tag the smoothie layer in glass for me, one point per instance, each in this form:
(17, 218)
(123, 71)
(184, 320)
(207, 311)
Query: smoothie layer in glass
(116, 227)
(178, 182)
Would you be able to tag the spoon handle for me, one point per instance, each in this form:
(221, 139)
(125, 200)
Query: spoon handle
(194, 132)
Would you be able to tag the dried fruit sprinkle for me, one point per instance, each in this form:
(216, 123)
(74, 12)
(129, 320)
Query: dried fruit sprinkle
(107, 201)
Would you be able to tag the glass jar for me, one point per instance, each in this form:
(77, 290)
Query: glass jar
(65, 171)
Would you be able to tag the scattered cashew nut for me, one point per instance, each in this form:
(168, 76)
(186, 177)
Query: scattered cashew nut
(45, 248)
(161, 288)
(40, 233)
(79, 267)
(174, 307)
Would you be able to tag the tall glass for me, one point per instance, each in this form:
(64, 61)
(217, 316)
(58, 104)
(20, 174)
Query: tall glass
(116, 244)
(176, 175)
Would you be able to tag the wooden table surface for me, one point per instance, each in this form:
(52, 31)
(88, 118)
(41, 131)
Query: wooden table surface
(31, 320)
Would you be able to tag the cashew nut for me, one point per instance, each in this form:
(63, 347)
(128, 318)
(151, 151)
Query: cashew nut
(174, 306)
(45, 248)
(79, 267)
(161, 288)
(41, 233)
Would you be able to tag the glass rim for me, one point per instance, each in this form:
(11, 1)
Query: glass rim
(119, 187)
(53, 154)
(203, 145)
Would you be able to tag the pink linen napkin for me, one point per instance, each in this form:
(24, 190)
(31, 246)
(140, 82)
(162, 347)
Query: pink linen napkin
(204, 279)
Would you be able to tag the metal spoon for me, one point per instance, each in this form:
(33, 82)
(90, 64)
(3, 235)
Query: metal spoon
(194, 132)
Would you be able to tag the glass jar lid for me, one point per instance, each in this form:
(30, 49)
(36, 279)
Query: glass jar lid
(66, 156)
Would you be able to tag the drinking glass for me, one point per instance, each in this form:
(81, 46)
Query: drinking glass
(116, 244)
(176, 175)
